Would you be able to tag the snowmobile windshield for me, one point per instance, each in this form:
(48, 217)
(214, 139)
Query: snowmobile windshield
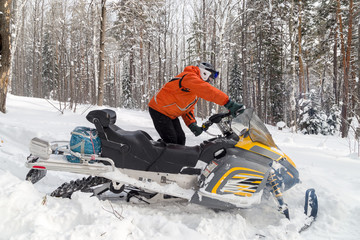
(249, 122)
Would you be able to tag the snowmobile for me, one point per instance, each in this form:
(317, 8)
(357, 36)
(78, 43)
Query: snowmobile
(231, 170)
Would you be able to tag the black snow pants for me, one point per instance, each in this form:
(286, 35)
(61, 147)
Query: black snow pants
(169, 129)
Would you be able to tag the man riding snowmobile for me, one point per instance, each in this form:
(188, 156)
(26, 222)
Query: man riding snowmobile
(179, 96)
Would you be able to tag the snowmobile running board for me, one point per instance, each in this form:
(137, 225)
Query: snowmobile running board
(81, 168)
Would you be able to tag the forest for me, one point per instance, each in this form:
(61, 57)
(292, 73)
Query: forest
(293, 61)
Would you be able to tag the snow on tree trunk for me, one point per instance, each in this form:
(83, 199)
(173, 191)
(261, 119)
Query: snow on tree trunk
(5, 51)
(101, 54)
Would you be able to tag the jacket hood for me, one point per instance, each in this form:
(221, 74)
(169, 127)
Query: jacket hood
(192, 69)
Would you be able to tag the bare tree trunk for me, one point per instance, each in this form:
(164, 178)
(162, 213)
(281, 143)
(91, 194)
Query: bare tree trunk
(183, 38)
(322, 84)
(94, 14)
(115, 85)
(142, 82)
(259, 73)
(346, 63)
(243, 56)
(21, 77)
(266, 98)
(293, 120)
(357, 105)
(35, 80)
(213, 45)
(342, 43)
(213, 40)
(132, 78)
(166, 23)
(335, 67)
(150, 86)
(202, 104)
(72, 85)
(72, 66)
(302, 87)
(5, 46)
(40, 60)
(62, 55)
(160, 81)
(101, 54)
(352, 85)
(56, 77)
(171, 57)
(80, 94)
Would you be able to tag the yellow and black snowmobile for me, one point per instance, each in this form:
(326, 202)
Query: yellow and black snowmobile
(231, 170)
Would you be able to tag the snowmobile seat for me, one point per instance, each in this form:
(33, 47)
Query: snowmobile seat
(128, 149)
(177, 159)
(136, 149)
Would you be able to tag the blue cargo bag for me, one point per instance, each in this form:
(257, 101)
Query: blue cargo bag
(84, 140)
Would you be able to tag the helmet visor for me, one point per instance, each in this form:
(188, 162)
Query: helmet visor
(214, 74)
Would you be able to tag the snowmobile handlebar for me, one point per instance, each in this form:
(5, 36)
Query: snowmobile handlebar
(216, 118)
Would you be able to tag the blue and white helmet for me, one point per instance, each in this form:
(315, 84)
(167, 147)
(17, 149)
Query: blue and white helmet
(207, 71)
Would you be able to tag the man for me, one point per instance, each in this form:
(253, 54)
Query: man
(178, 98)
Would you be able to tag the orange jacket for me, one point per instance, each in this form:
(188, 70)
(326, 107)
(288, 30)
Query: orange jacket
(179, 96)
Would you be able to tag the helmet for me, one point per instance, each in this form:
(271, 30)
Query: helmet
(207, 71)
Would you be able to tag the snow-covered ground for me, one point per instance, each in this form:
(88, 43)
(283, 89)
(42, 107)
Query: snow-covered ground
(28, 212)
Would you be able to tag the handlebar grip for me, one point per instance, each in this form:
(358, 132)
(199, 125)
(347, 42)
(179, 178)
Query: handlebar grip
(240, 110)
(205, 126)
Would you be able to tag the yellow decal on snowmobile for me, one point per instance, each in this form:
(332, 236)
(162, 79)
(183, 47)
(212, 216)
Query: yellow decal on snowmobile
(290, 174)
(239, 176)
(242, 183)
(291, 162)
(244, 194)
(243, 190)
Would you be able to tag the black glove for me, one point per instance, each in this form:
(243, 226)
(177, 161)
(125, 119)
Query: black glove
(233, 107)
(195, 129)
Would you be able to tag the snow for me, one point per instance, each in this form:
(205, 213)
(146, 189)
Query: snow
(28, 212)
(281, 125)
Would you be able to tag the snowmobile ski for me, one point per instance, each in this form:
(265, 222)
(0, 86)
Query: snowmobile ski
(310, 208)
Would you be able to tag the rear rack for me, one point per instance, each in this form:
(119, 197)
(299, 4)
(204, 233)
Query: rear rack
(43, 157)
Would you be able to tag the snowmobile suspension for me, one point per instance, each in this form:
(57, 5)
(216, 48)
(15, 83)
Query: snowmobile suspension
(275, 184)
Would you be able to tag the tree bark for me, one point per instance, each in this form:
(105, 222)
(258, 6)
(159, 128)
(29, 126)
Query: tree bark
(335, 67)
(40, 61)
(346, 65)
(101, 54)
(357, 105)
(246, 100)
(95, 75)
(259, 73)
(5, 51)
(293, 120)
(35, 80)
(143, 97)
(302, 87)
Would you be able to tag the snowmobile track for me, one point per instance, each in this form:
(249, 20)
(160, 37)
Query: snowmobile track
(83, 185)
